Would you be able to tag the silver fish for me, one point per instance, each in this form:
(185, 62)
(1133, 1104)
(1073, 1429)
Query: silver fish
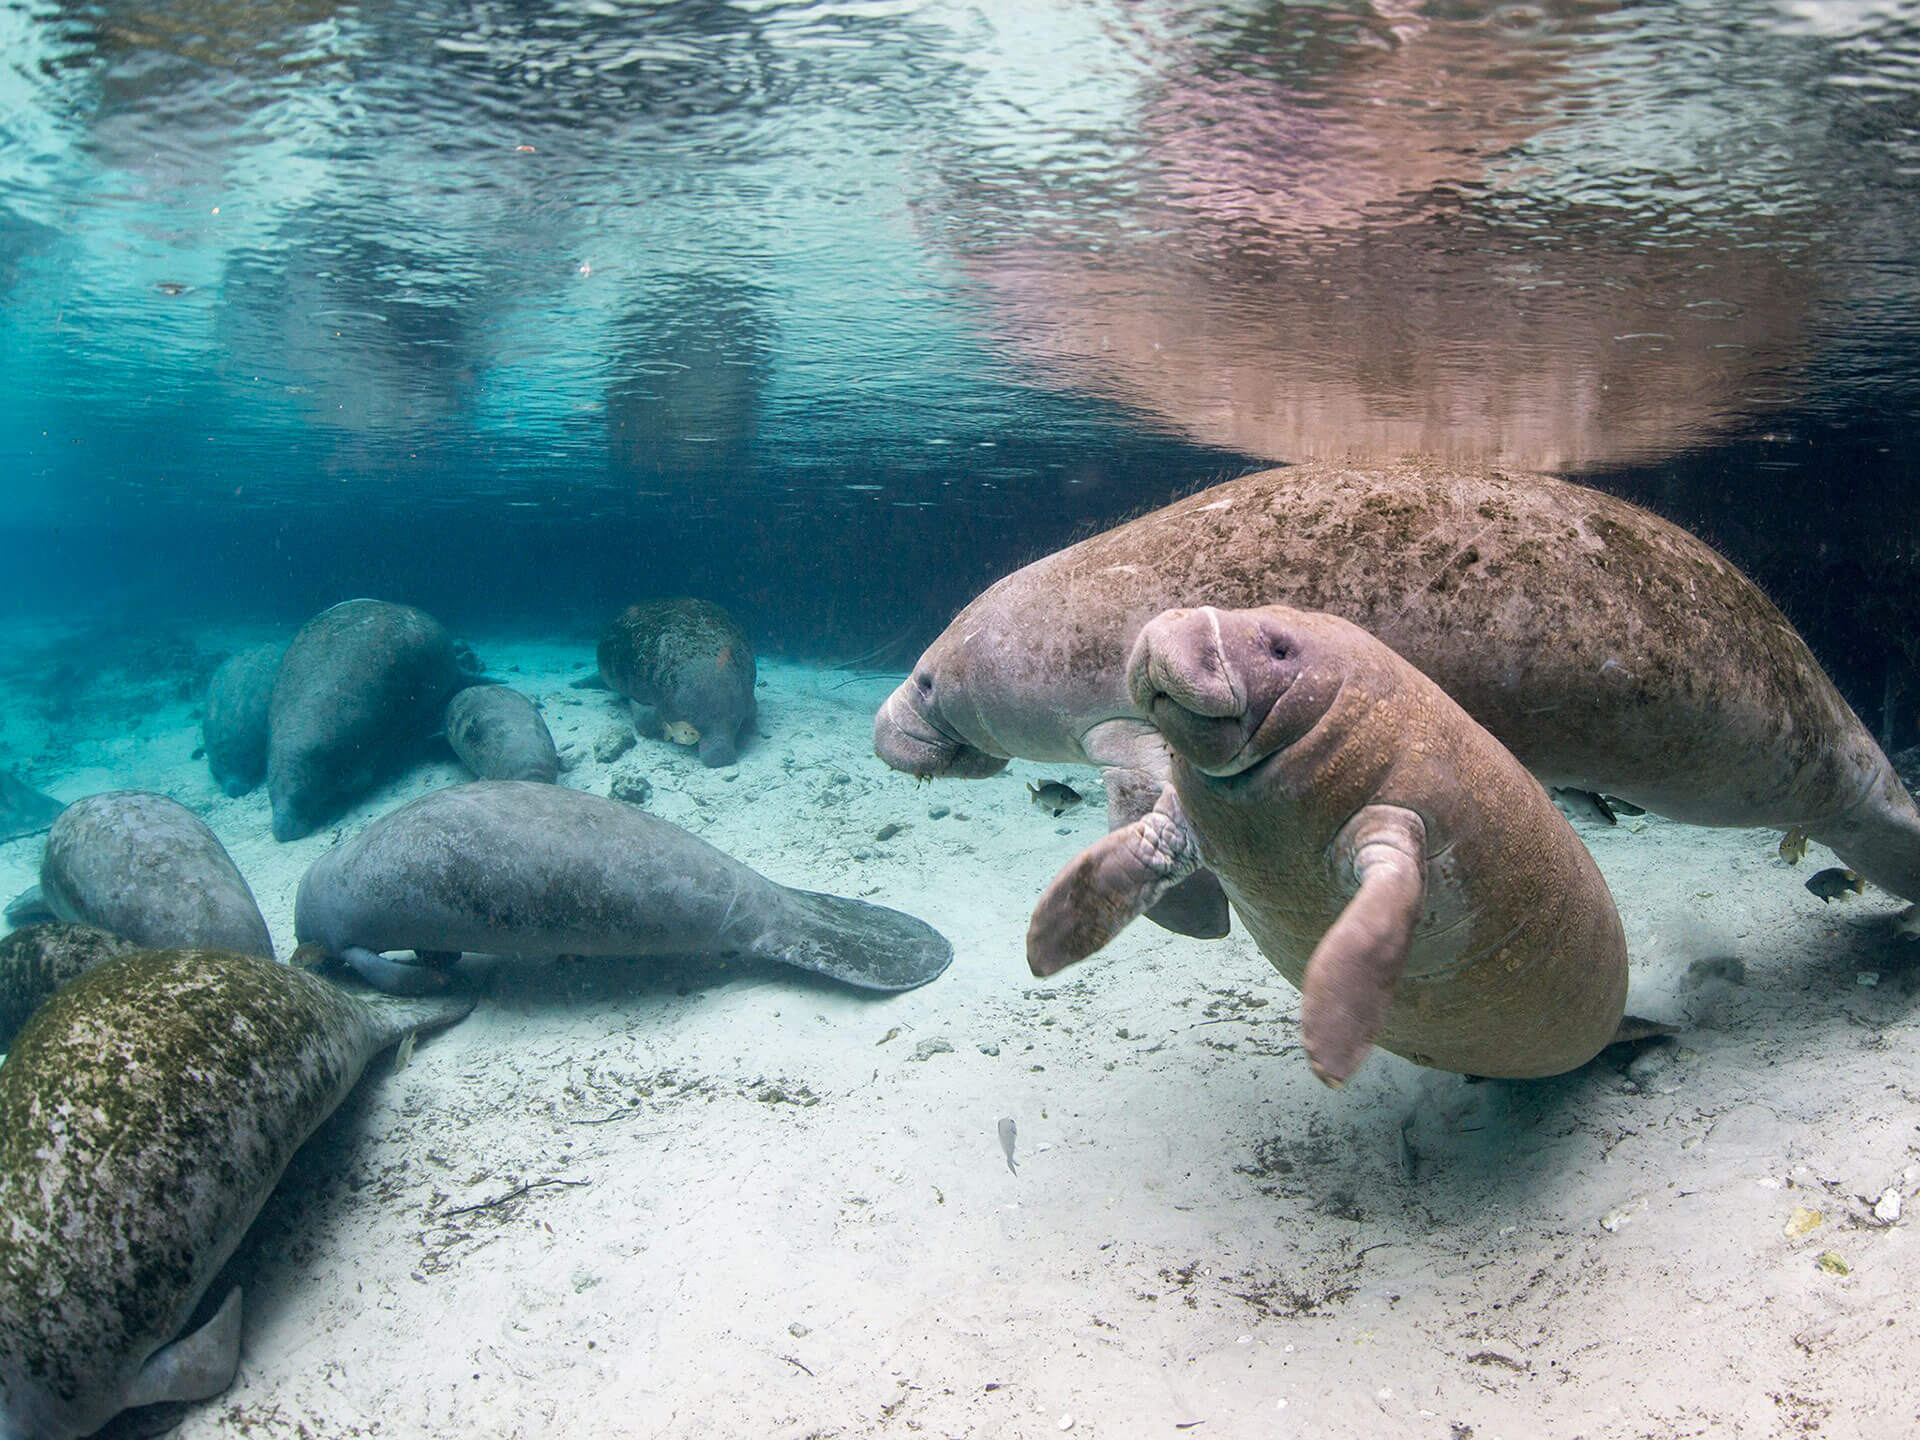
(1007, 1132)
(1056, 797)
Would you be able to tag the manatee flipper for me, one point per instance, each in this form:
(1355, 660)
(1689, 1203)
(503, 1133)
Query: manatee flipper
(1197, 906)
(595, 681)
(1878, 836)
(23, 809)
(198, 1365)
(29, 907)
(865, 945)
(1348, 987)
(647, 720)
(1109, 885)
(1638, 1027)
(394, 977)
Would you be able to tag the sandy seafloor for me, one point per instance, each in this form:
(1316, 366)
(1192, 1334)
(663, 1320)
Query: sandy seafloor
(686, 1199)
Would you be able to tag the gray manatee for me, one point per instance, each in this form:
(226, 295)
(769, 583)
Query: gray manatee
(361, 685)
(512, 867)
(1609, 650)
(683, 662)
(499, 735)
(234, 727)
(148, 869)
(146, 1112)
(37, 960)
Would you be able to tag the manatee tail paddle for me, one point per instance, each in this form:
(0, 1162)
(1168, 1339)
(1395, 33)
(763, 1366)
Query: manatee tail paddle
(860, 944)
(401, 1016)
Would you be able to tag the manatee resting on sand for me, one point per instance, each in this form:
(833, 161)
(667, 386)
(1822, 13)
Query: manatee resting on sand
(234, 726)
(23, 809)
(39, 959)
(1387, 854)
(146, 1112)
(682, 663)
(1608, 649)
(499, 735)
(148, 869)
(510, 867)
(360, 686)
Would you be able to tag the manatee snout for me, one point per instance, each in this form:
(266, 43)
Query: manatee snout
(1190, 673)
(908, 739)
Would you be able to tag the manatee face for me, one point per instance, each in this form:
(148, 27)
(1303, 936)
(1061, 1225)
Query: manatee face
(1229, 688)
(914, 734)
(718, 701)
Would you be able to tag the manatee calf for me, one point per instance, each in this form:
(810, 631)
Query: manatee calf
(23, 809)
(39, 959)
(359, 687)
(148, 869)
(510, 867)
(682, 662)
(146, 1112)
(1388, 855)
(1608, 649)
(233, 728)
(499, 735)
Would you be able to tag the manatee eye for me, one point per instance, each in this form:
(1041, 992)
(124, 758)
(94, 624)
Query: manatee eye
(1280, 648)
(925, 682)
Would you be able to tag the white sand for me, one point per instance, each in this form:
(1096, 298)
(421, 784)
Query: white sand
(750, 1203)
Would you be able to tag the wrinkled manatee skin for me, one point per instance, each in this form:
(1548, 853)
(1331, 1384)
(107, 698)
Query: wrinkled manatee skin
(362, 684)
(148, 869)
(234, 727)
(146, 1112)
(499, 735)
(683, 660)
(39, 959)
(1518, 965)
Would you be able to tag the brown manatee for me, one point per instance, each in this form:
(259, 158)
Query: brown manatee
(146, 1112)
(688, 671)
(1387, 854)
(361, 684)
(514, 867)
(1608, 649)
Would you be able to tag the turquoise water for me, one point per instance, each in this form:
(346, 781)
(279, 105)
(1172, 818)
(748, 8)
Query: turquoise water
(837, 311)
(834, 313)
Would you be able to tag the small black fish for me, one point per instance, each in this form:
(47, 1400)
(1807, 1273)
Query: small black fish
(1835, 883)
(1056, 797)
